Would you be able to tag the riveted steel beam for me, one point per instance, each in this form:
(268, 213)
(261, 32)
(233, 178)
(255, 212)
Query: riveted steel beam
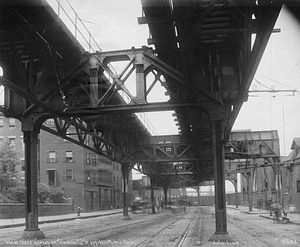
(149, 107)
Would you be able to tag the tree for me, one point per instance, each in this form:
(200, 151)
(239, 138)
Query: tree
(8, 164)
(45, 194)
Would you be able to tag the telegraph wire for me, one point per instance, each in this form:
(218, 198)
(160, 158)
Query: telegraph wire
(282, 84)
(291, 72)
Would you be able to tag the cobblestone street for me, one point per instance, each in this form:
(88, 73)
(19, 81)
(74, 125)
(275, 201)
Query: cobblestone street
(162, 229)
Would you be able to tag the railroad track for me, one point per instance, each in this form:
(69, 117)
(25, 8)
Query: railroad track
(254, 239)
(187, 231)
(261, 235)
(181, 240)
(112, 230)
(99, 232)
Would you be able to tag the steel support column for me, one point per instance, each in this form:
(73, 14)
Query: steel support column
(221, 234)
(236, 193)
(152, 183)
(198, 195)
(166, 194)
(249, 180)
(31, 171)
(125, 174)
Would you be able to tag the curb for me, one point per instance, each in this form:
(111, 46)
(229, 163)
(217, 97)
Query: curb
(59, 220)
(255, 213)
(10, 226)
(271, 218)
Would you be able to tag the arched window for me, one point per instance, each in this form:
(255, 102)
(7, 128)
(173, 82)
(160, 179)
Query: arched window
(266, 186)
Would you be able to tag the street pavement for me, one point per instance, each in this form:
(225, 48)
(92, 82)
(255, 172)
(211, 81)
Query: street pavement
(7, 223)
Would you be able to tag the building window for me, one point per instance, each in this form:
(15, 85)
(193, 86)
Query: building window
(12, 142)
(1, 139)
(88, 161)
(69, 174)
(12, 123)
(1, 122)
(22, 142)
(88, 141)
(92, 177)
(94, 160)
(298, 186)
(69, 156)
(88, 176)
(51, 157)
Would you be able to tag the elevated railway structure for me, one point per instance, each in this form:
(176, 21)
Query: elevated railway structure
(204, 55)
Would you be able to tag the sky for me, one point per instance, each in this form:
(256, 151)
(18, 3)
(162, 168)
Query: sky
(280, 70)
(114, 26)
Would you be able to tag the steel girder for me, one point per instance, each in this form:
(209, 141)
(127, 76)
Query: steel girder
(163, 149)
(252, 144)
(209, 42)
(27, 51)
(143, 62)
(62, 81)
(77, 129)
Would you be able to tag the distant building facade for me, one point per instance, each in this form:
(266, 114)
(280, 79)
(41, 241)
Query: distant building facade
(142, 190)
(91, 180)
(271, 179)
(291, 178)
(252, 166)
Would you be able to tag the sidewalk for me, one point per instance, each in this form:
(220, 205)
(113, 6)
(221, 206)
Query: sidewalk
(7, 223)
(293, 218)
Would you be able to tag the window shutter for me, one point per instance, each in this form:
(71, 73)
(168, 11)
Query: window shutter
(47, 156)
(64, 174)
(64, 155)
(87, 158)
(73, 156)
(74, 174)
(56, 156)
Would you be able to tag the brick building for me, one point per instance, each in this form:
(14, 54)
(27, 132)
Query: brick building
(94, 182)
(91, 180)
